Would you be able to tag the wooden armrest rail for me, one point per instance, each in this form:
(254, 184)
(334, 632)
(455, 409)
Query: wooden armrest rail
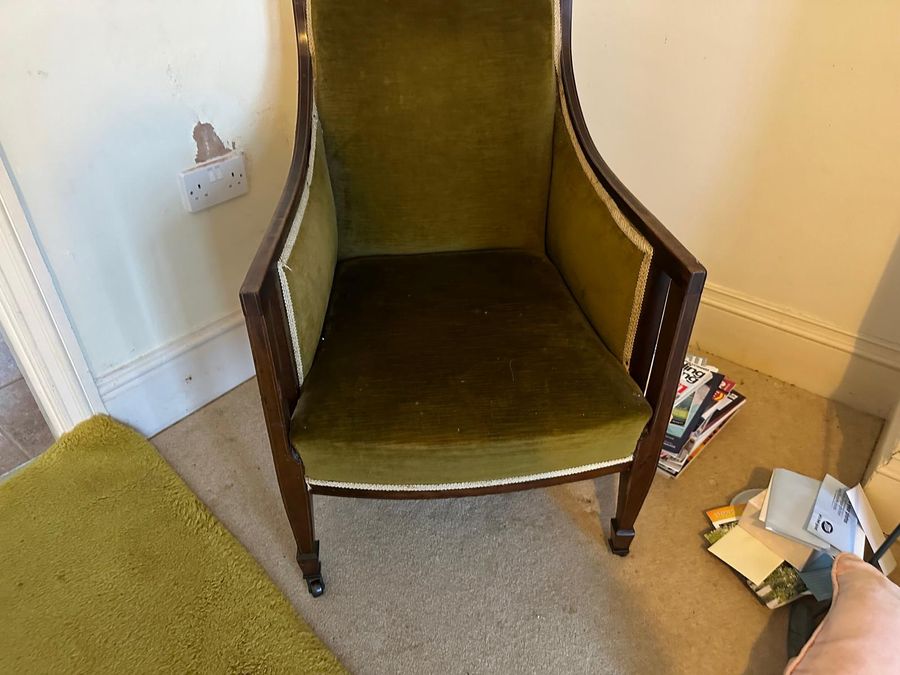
(261, 294)
(267, 254)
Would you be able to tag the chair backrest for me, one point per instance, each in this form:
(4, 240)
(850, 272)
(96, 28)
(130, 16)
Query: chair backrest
(438, 121)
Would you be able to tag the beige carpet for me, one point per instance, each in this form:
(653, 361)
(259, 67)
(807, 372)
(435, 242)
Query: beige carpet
(524, 582)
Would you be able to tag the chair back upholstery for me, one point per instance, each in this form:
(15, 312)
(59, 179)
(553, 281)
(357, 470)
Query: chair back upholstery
(438, 121)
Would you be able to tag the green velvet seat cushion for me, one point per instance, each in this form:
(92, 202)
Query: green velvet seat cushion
(459, 368)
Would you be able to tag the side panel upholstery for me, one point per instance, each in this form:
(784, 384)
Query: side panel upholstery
(307, 262)
(603, 258)
(438, 121)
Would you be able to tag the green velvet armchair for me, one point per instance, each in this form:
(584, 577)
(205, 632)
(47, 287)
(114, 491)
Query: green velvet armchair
(456, 295)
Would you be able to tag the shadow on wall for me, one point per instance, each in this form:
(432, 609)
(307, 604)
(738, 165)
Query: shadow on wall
(842, 455)
(882, 318)
(882, 369)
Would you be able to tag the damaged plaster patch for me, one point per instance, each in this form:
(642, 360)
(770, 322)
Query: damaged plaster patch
(209, 144)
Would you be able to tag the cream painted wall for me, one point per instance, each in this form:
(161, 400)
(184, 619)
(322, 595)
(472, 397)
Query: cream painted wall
(765, 135)
(100, 98)
(762, 133)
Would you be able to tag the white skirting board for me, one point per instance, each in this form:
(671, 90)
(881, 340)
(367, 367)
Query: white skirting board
(861, 371)
(163, 386)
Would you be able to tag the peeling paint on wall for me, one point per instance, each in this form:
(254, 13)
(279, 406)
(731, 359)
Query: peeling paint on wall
(209, 144)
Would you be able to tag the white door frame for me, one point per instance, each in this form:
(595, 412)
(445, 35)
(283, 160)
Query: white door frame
(35, 321)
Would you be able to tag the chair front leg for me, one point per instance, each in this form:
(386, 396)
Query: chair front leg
(676, 324)
(299, 508)
(634, 485)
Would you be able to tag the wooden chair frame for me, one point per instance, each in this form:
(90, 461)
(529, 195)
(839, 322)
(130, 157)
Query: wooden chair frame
(670, 305)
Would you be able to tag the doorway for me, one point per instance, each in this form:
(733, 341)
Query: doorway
(24, 433)
(46, 387)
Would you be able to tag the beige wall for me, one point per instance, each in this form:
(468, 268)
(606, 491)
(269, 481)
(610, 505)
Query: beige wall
(765, 134)
(99, 100)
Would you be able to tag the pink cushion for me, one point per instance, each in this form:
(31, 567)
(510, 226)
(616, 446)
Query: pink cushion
(861, 633)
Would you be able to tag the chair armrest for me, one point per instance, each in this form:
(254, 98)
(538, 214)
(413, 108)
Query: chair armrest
(294, 262)
(674, 283)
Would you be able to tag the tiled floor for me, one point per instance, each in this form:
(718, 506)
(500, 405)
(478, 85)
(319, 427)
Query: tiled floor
(23, 432)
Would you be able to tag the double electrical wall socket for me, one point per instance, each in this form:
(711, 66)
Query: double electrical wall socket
(213, 182)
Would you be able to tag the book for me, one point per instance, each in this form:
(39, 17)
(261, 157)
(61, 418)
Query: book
(793, 552)
(705, 400)
(781, 587)
(679, 431)
(711, 414)
(720, 400)
(674, 467)
(731, 403)
(794, 506)
(680, 415)
(692, 377)
(723, 515)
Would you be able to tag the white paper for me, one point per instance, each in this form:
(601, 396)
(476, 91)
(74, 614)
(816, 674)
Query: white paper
(859, 546)
(765, 505)
(747, 555)
(832, 518)
(791, 498)
(794, 552)
(869, 522)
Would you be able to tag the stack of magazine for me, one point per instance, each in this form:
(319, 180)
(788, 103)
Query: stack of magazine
(705, 402)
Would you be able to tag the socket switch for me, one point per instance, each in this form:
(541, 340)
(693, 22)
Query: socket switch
(213, 182)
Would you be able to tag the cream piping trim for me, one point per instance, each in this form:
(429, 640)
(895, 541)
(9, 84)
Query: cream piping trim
(292, 240)
(425, 487)
(311, 41)
(557, 34)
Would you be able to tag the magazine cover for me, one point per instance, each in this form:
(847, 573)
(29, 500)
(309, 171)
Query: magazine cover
(692, 377)
(674, 465)
(677, 433)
